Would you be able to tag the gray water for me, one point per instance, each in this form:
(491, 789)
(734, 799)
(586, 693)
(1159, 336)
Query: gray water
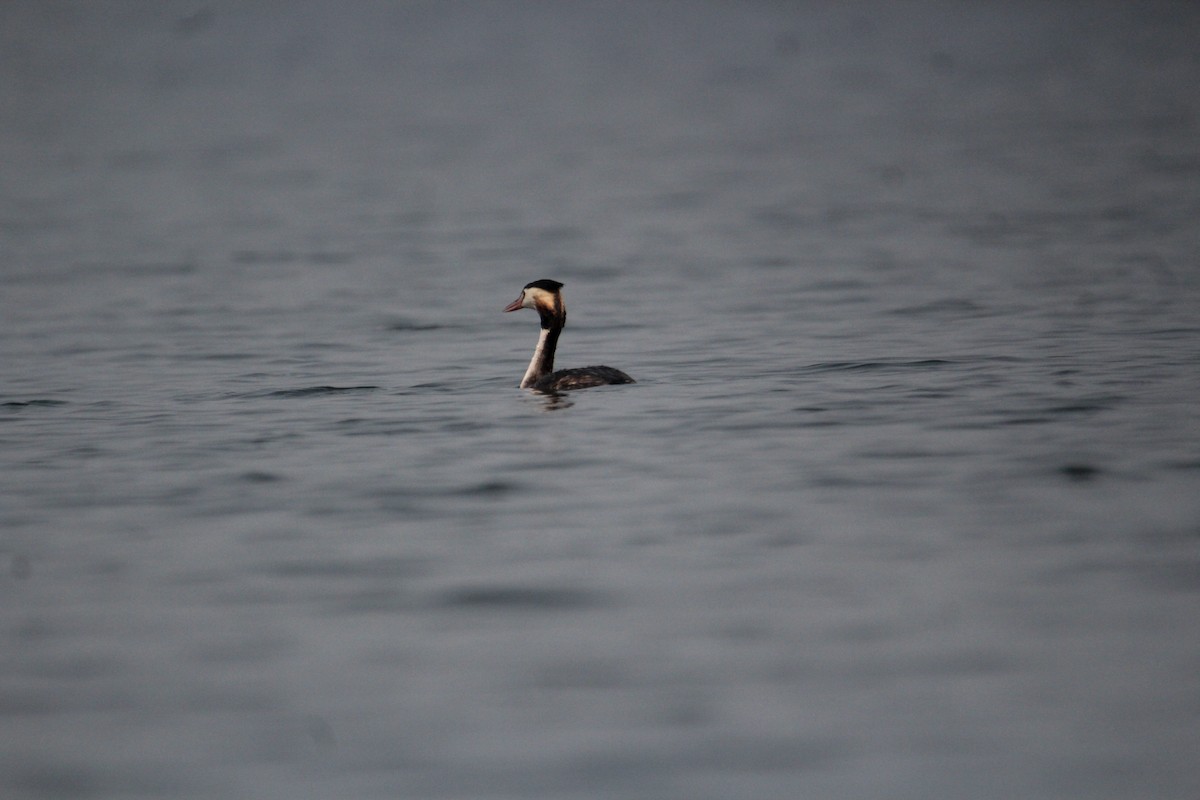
(904, 503)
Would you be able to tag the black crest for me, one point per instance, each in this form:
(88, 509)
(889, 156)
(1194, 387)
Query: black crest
(545, 284)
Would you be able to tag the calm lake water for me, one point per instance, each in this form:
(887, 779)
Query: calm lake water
(904, 504)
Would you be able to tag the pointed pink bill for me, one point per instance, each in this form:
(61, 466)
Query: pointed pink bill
(515, 304)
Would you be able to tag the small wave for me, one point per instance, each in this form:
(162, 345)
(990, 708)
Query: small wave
(1080, 472)
(314, 391)
(1078, 408)
(411, 325)
(947, 307)
(406, 495)
(35, 403)
(259, 476)
(532, 598)
(848, 366)
(487, 489)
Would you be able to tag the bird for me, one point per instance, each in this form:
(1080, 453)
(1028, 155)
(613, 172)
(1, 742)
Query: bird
(545, 297)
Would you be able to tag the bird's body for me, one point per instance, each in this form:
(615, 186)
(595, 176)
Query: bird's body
(580, 378)
(545, 297)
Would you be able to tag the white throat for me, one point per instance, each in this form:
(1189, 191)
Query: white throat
(536, 370)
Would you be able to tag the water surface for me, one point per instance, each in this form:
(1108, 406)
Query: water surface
(904, 503)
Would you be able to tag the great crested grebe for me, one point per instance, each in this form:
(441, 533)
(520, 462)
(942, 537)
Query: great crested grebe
(545, 297)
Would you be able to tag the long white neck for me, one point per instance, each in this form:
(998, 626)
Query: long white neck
(553, 316)
(543, 358)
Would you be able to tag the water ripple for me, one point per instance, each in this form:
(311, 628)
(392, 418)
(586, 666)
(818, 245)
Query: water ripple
(311, 391)
(519, 598)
